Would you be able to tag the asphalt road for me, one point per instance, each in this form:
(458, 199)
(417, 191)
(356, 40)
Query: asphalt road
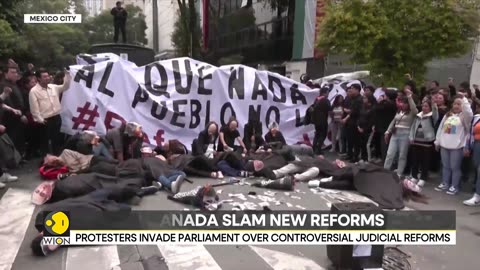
(17, 230)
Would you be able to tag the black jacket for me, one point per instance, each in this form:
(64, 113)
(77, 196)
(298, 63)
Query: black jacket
(91, 209)
(253, 128)
(355, 106)
(365, 121)
(119, 15)
(320, 113)
(204, 140)
(383, 114)
(276, 142)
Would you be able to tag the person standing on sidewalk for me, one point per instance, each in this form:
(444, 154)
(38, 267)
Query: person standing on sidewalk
(4, 176)
(336, 123)
(15, 121)
(398, 132)
(451, 139)
(472, 148)
(383, 113)
(45, 108)
(351, 123)
(321, 110)
(422, 137)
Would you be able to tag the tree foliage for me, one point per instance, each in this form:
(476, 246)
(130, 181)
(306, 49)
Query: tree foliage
(11, 11)
(55, 45)
(394, 37)
(100, 29)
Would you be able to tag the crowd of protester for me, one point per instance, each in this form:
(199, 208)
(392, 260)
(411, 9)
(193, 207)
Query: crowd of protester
(88, 171)
(407, 130)
(412, 130)
(30, 115)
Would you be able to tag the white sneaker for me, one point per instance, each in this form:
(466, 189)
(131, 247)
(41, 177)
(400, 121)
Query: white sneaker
(313, 183)
(6, 178)
(420, 183)
(177, 184)
(413, 179)
(2, 185)
(474, 201)
(325, 180)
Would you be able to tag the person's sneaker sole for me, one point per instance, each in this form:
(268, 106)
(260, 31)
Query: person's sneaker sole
(149, 190)
(2, 185)
(452, 192)
(441, 189)
(471, 204)
(177, 184)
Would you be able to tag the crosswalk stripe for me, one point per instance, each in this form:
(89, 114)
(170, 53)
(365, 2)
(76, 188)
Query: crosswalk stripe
(16, 211)
(98, 258)
(284, 261)
(188, 257)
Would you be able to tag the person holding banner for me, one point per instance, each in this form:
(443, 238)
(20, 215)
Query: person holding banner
(228, 135)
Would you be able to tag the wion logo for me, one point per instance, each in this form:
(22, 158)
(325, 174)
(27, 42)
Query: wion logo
(56, 228)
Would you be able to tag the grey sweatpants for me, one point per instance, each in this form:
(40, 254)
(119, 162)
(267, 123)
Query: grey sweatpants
(291, 168)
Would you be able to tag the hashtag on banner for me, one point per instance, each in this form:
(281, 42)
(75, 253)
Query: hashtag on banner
(86, 117)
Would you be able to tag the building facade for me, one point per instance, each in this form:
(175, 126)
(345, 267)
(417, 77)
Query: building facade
(160, 18)
(93, 7)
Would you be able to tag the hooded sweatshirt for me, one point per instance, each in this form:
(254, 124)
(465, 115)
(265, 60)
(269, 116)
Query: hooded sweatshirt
(423, 128)
(454, 128)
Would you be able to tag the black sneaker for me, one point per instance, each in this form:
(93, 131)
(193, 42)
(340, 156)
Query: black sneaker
(148, 190)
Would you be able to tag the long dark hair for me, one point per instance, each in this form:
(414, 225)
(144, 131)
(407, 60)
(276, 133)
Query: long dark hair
(404, 100)
(336, 101)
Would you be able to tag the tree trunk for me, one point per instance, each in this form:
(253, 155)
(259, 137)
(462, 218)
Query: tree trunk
(193, 32)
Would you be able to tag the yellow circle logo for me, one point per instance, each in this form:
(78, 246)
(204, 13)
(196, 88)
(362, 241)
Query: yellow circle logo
(57, 223)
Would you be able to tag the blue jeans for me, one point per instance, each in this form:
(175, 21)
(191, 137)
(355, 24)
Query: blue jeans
(102, 150)
(228, 170)
(476, 162)
(166, 180)
(452, 166)
(398, 147)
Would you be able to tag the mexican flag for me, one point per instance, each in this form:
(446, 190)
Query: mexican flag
(308, 17)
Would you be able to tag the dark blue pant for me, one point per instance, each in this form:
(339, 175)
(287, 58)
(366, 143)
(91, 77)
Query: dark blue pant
(166, 180)
(228, 170)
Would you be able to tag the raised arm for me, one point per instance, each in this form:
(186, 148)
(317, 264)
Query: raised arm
(66, 83)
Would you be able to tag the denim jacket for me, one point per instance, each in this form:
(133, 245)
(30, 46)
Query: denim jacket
(428, 124)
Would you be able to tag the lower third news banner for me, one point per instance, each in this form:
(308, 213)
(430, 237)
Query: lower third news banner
(249, 228)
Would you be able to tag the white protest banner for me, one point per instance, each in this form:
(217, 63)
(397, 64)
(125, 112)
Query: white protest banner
(176, 98)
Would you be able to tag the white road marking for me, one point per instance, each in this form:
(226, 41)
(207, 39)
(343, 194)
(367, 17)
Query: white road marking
(89, 258)
(284, 261)
(188, 257)
(16, 211)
